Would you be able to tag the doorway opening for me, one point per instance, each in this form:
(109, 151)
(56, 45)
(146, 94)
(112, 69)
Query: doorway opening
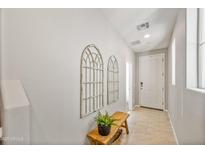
(129, 102)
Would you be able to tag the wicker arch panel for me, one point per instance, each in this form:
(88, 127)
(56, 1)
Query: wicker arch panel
(112, 80)
(91, 81)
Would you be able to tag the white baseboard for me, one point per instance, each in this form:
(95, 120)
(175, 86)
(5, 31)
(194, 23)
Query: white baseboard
(137, 106)
(175, 136)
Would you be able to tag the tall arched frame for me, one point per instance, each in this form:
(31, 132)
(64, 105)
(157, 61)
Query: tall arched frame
(112, 80)
(91, 81)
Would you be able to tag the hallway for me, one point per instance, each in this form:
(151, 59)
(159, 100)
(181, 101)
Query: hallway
(60, 67)
(148, 126)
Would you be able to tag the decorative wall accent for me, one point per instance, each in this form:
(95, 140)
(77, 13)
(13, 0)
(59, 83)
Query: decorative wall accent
(91, 81)
(112, 80)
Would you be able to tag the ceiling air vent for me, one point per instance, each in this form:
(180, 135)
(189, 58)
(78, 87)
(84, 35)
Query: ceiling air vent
(135, 42)
(143, 26)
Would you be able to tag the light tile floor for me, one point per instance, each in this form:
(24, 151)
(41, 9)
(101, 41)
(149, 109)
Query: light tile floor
(148, 126)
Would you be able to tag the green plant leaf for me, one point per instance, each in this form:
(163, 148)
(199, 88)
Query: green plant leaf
(105, 119)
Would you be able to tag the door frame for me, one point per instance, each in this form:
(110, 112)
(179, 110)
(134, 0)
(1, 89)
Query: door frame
(164, 77)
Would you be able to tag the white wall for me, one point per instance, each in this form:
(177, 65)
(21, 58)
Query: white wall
(186, 107)
(42, 48)
(0, 68)
(0, 40)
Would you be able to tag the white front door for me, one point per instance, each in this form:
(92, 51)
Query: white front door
(151, 81)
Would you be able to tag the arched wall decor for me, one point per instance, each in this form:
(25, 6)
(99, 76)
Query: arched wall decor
(91, 81)
(112, 80)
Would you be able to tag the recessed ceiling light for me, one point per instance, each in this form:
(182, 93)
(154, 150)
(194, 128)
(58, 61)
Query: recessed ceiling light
(146, 36)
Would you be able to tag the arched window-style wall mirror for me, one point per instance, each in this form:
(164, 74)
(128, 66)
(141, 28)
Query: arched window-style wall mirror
(91, 81)
(112, 80)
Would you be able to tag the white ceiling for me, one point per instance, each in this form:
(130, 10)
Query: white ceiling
(161, 22)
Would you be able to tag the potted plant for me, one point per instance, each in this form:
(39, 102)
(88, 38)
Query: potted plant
(104, 122)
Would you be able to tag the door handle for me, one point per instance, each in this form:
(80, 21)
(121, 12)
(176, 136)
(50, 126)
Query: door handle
(141, 85)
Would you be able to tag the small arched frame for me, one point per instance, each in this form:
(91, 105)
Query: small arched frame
(91, 81)
(112, 80)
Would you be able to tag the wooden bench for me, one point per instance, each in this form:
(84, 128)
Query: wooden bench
(95, 138)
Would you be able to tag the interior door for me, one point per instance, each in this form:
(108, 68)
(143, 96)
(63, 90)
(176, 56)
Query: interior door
(151, 81)
(129, 86)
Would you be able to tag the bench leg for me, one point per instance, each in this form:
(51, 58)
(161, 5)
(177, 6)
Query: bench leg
(126, 127)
